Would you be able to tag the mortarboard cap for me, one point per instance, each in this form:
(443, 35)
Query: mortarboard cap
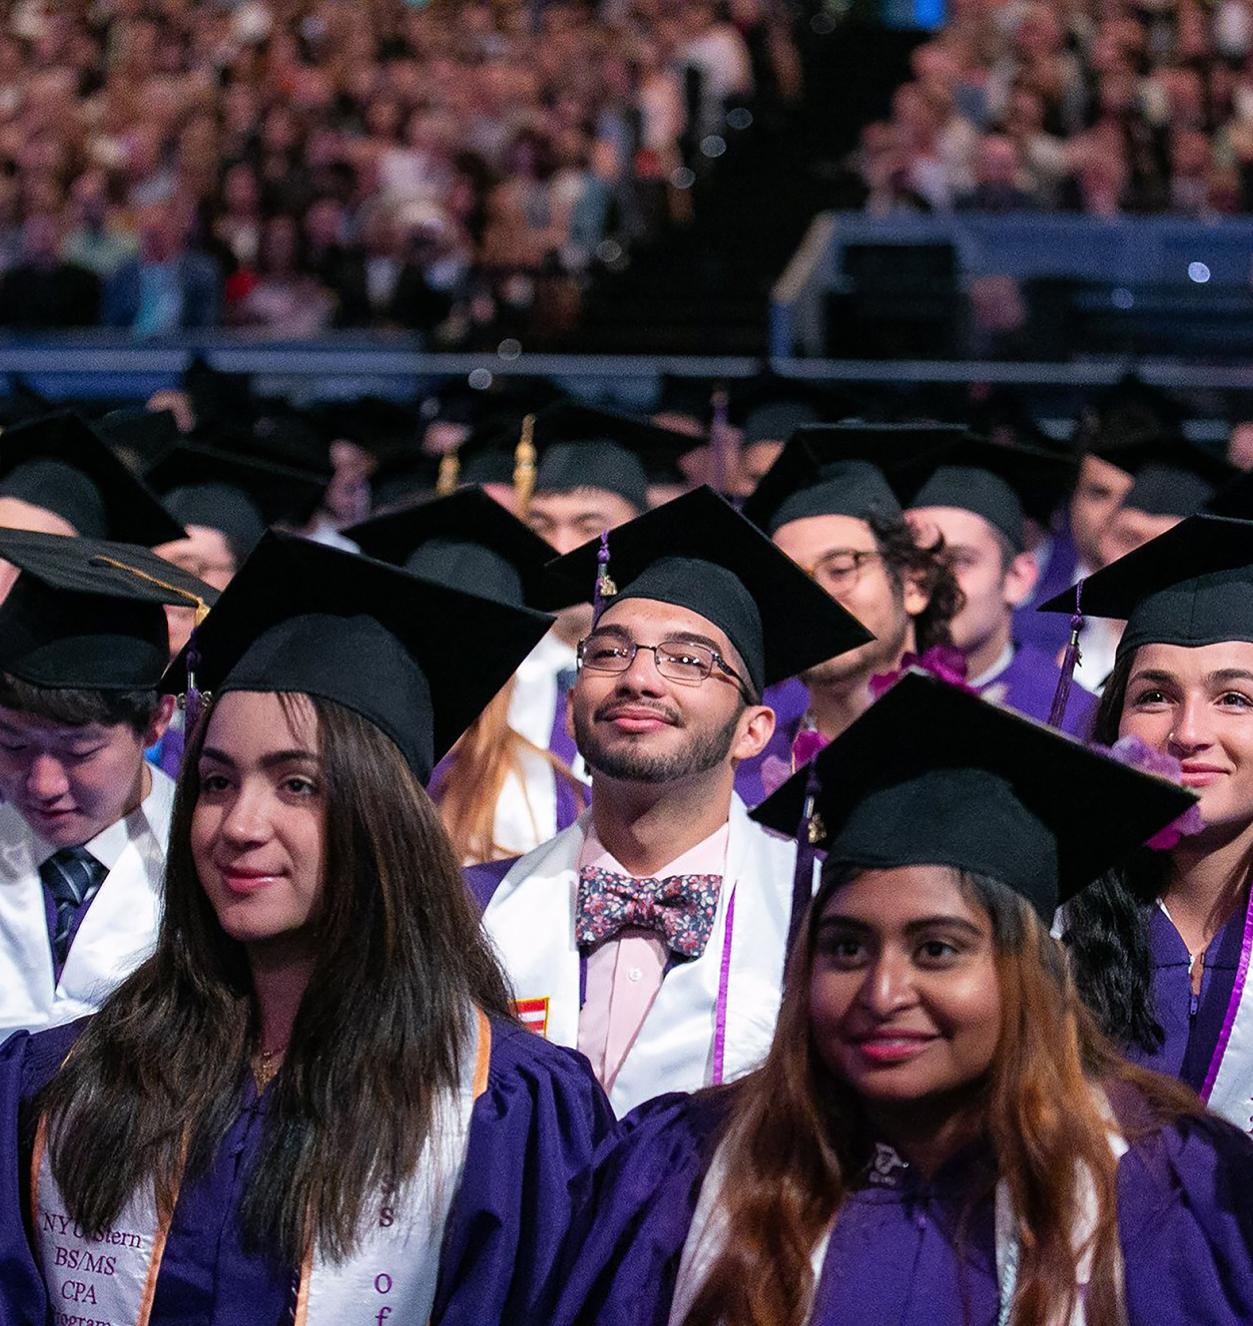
(1171, 477)
(1191, 586)
(61, 464)
(376, 424)
(465, 540)
(697, 552)
(231, 493)
(89, 614)
(1000, 483)
(841, 470)
(581, 446)
(140, 437)
(932, 775)
(769, 408)
(417, 659)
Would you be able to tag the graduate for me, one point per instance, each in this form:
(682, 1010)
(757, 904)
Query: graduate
(570, 471)
(651, 934)
(59, 476)
(310, 1103)
(84, 820)
(1161, 949)
(1174, 480)
(971, 494)
(939, 1133)
(828, 502)
(500, 795)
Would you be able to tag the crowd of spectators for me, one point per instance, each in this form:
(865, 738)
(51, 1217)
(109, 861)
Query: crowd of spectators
(1094, 106)
(297, 165)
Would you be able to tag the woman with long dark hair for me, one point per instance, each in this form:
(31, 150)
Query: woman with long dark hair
(310, 1105)
(1161, 948)
(939, 1132)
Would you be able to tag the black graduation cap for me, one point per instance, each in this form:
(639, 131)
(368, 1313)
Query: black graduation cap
(1171, 476)
(770, 408)
(59, 463)
(86, 613)
(141, 437)
(1191, 586)
(699, 553)
(932, 775)
(403, 475)
(465, 540)
(218, 398)
(417, 659)
(375, 423)
(231, 493)
(582, 446)
(1000, 483)
(842, 470)
(1128, 412)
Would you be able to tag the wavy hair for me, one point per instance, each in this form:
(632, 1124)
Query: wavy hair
(1107, 925)
(793, 1136)
(154, 1081)
(929, 567)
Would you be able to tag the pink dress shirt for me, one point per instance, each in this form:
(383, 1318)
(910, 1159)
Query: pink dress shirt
(624, 974)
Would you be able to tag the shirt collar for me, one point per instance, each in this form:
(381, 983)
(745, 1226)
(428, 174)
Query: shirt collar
(707, 857)
(109, 844)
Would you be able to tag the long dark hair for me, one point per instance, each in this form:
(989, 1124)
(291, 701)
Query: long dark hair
(795, 1136)
(1107, 924)
(401, 960)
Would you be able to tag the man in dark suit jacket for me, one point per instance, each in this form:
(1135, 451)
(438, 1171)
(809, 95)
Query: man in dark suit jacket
(42, 291)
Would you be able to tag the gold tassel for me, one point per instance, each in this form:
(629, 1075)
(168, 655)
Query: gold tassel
(202, 608)
(449, 474)
(524, 467)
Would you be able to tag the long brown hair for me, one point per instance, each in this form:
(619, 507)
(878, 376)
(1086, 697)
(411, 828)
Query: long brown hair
(485, 757)
(794, 1139)
(401, 959)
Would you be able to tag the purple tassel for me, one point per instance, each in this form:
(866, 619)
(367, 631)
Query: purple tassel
(1070, 661)
(605, 588)
(806, 855)
(193, 697)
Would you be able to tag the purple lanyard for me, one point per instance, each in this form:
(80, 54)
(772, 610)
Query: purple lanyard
(724, 983)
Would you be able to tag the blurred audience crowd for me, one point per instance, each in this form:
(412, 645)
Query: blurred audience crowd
(292, 166)
(1095, 106)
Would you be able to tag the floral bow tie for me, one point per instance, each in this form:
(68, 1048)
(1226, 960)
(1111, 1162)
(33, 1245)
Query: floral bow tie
(679, 908)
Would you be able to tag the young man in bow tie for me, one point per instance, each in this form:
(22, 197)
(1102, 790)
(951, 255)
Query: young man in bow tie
(652, 933)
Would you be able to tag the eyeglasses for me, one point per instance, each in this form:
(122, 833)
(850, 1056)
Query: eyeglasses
(683, 661)
(839, 570)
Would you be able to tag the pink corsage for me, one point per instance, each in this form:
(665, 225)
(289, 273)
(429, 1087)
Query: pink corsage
(1133, 752)
(941, 661)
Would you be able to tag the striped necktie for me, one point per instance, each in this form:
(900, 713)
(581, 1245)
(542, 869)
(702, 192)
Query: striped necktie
(72, 877)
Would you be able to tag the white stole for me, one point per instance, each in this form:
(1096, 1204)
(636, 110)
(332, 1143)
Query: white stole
(530, 920)
(1228, 1086)
(115, 936)
(113, 1278)
(708, 1231)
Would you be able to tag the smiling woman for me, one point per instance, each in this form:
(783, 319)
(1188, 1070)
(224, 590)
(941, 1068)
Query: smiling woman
(939, 1129)
(1161, 948)
(312, 1100)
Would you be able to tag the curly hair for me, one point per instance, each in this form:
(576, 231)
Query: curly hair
(904, 558)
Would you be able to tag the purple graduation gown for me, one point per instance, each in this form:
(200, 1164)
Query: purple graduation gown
(1049, 631)
(527, 1177)
(1192, 1023)
(1027, 685)
(789, 700)
(1185, 1221)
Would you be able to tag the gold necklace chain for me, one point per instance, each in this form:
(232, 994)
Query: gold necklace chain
(265, 1065)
